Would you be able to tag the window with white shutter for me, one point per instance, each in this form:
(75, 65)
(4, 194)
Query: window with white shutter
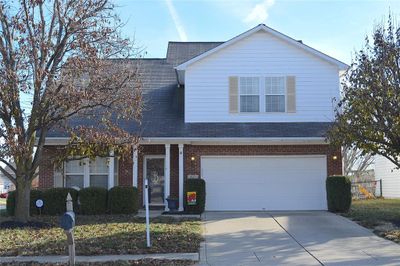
(249, 94)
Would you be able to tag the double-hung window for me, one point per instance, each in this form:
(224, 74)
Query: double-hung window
(249, 90)
(99, 172)
(94, 173)
(74, 173)
(275, 94)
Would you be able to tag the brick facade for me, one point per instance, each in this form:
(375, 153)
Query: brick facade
(334, 167)
(46, 168)
(125, 171)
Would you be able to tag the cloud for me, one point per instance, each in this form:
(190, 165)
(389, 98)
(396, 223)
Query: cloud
(259, 13)
(177, 21)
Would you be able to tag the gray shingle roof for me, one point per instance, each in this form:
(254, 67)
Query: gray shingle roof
(179, 52)
(163, 115)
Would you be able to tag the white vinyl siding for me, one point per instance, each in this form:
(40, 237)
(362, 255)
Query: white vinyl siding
(386, 170)
(275, 94)
(249, 98)
(260, 55)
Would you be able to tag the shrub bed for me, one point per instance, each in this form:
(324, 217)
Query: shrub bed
(199, 186)
(54, 200)
(10, 204)
(123, 200)
(35, 195)
(338, 192)
(93, 200)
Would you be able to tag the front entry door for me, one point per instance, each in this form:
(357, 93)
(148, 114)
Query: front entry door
(154, 171)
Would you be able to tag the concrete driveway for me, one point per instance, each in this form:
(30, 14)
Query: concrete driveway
(295, 238)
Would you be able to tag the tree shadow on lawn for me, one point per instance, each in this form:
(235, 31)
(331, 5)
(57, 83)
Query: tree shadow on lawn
(119, 243)
(110, 218)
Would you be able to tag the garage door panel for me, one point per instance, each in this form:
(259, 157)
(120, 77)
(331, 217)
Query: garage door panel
(265, 183)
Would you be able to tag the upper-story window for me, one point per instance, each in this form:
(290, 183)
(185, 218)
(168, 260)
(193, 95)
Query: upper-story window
(249, 90)
(275, 94)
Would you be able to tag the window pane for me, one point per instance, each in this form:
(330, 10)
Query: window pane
(274, 85)
(249, 85)
(249, 103)
(74, 181)
(99, 166)
(75, 166)
(99, 181)
(275, 103)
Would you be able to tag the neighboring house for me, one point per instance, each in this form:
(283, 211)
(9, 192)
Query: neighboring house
(248, 115)
(390, 175)
(5, 183)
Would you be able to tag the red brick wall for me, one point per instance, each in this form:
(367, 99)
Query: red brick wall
(125, 170)
(46, 169)
(334, 167)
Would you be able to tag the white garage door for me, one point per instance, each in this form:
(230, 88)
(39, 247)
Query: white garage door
(265, 183)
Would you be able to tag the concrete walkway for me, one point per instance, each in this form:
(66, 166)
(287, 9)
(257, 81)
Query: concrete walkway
(296, 238)
(103, 258)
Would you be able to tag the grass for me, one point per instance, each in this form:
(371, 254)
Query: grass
(107, 234)
(146, 262)
(381, 215)
(3, 201)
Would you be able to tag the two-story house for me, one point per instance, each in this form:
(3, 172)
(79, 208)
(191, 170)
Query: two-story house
(248, 115)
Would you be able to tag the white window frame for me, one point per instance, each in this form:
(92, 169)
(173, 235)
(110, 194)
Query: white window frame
(274, 94)
(86, 172)
(77, 173)
(258, 94)
(101, 173)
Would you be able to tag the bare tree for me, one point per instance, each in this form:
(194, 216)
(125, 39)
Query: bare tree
(57, 65)
(355, 161)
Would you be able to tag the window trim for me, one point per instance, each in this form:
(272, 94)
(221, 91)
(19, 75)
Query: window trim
(86, 171)
(274, 94)
(262, 94)
(240, 94)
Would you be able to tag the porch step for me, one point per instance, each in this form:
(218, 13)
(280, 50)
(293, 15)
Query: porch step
(160, 207)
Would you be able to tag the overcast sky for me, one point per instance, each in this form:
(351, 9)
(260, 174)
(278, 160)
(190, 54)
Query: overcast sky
(334, 27)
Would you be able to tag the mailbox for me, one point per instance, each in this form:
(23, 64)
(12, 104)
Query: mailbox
(67, 221)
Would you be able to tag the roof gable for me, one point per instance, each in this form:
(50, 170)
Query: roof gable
(262, 27)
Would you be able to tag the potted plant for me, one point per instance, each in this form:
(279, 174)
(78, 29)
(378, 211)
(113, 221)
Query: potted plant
(173, 204)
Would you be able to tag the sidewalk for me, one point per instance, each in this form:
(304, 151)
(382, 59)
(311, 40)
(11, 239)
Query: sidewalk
(102, 258)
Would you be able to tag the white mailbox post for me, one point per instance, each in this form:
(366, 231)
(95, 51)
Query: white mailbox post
(67, 223)
(146, 203)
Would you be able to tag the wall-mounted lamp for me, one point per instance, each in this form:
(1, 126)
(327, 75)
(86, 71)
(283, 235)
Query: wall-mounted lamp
(192, 158)
(334, 157)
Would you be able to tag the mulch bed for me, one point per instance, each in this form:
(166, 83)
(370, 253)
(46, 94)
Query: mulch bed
(146, 262)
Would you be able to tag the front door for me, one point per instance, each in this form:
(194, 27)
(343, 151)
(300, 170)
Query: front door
(154, 172)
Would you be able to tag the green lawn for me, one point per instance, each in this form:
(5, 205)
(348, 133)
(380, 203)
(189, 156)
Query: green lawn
(381, 215)
(108, 234)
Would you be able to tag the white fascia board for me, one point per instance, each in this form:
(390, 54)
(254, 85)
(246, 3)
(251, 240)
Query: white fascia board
(235, 141)
(214, 141)
(339, 64)
(54, 141)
